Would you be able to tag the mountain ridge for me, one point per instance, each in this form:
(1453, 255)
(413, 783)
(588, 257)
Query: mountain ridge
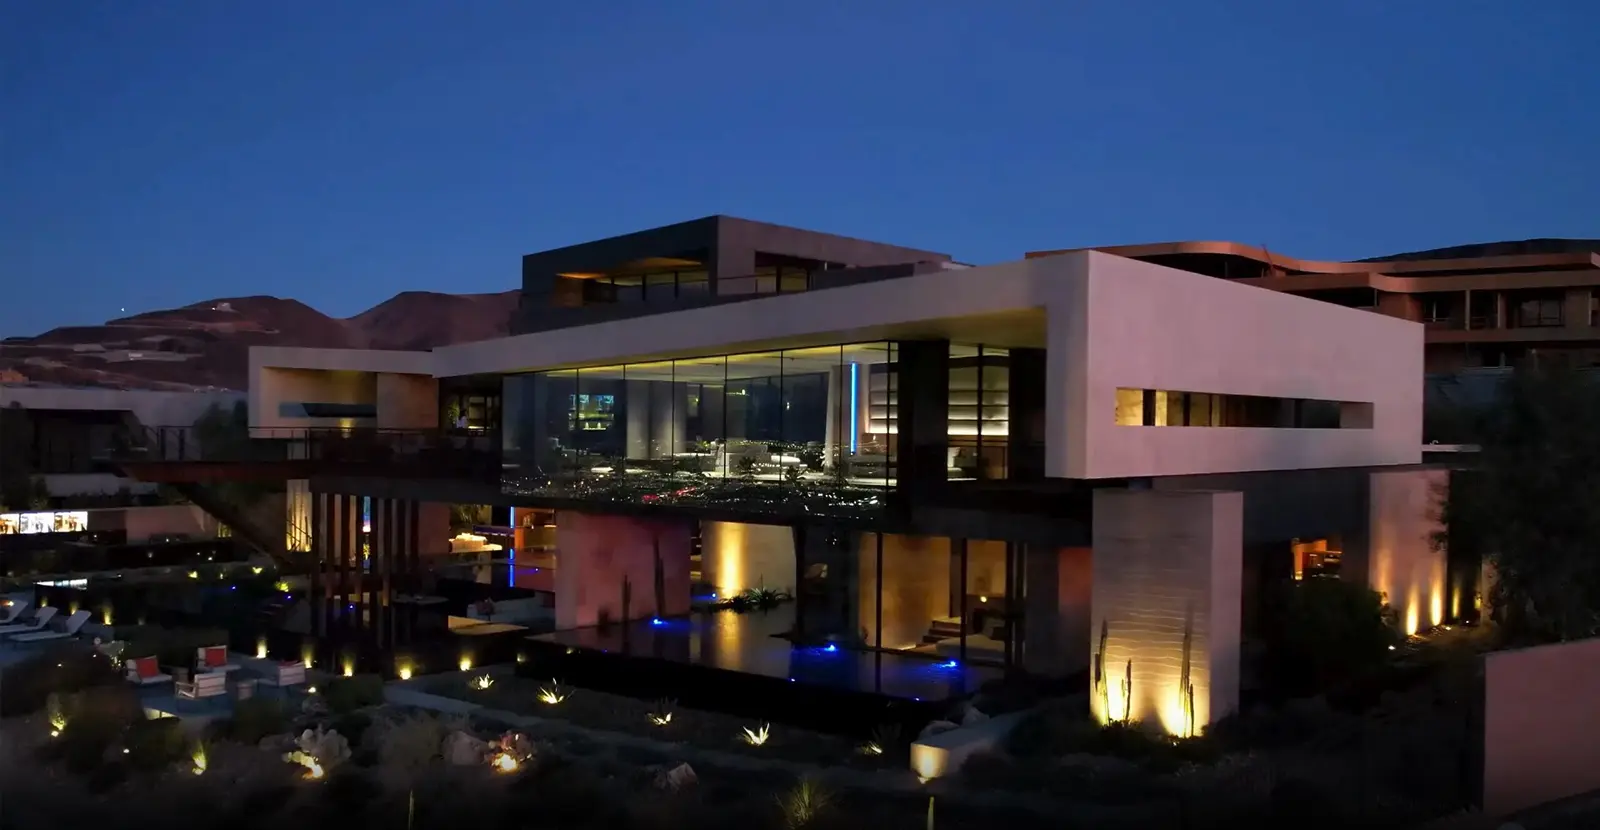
(206, 345)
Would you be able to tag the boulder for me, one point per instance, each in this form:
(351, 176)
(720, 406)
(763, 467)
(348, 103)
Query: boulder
(463, 750)
(676, 778)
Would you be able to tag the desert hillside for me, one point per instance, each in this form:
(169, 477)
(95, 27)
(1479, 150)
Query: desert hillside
(207, 344)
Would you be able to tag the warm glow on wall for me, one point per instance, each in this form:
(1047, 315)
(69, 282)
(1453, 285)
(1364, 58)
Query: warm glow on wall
(261, 648)
(466, 663)
(105, 614)
(307, 657)
(349, 667)
(729, 578)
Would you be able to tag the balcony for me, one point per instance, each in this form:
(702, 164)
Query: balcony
(300, 453)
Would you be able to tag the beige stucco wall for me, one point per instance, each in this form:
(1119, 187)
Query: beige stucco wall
(1401, 561)
(737, 556)
(283, 375)
(1130, 324)
(1167, 570)
(1541, 725)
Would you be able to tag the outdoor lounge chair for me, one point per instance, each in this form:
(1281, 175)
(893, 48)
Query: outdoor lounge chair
(213, 658)
(14, 611)
(144, 671)
(283, 676)
(202, 686)
(58, 630)
(41, 618)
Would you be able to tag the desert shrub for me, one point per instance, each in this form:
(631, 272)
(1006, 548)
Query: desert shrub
(96, 719)
(171, 646)
(256, 718)
(106, 777)
(1056, 728)
(155, 744)
(1323, 632)
(353, 725)
(347, 694)
(348, 791)
(409, 742)
(61, 669)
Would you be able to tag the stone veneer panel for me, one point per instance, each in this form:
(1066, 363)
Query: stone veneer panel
(596, 555)
(1167, 578)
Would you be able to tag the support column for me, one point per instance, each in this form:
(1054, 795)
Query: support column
(616, 568)
(828, 599)
(1166, 604)
(1025, 437)
(923, 425)
(1057, 608)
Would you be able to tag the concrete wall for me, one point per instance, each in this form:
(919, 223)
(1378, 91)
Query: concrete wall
(1400, 559)
(1166, 596)
(1130, 324)
(271, 387)
(735, 556)
(408, 402)
(294, 375)
(596, 554)
(916, 586)
(1541, 719)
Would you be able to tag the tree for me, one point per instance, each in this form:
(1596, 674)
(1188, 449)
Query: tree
(1529, 504)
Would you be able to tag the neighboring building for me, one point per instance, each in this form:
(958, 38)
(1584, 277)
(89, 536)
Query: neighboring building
(1056, 463)
(1482, 305)
(59, 433)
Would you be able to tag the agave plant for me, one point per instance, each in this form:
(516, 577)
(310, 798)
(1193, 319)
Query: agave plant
(661, 713)
(757, 736)
(482, 682)
(554, 693)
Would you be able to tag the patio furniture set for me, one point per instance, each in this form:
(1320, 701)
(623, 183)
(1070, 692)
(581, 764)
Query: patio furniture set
(208, 680)
(40, 625)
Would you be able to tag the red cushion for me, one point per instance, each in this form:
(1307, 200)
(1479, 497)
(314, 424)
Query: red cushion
(216, 656)
(145, 667)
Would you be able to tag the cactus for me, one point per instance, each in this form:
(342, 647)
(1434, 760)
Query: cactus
(1127, 693)
(1185, 685)
(1102, 683)
(660, 581)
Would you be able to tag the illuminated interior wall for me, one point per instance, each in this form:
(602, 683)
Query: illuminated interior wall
(1166, 600)
(607, 568)
(736, 556)
(915, 588)
(1401, 561)
(297, 515)
(274, 387)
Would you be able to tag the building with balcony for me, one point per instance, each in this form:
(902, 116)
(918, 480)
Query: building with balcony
(1063, 463)
(1491, 305)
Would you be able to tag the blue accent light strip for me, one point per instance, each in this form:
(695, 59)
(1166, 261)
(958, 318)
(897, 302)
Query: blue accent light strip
(855, 406)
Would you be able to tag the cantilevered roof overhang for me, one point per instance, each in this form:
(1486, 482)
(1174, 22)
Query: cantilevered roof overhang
(1000, 305)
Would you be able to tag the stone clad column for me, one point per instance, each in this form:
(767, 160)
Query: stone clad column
(1166, 607)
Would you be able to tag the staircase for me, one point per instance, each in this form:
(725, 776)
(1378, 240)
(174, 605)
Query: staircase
(244, 528)
(943, 628)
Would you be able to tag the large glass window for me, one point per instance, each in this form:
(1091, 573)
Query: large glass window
(802, 430)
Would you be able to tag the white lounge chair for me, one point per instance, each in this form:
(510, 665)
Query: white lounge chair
(144, 671)
(41, 618)
(203, 686)
(60, 630)
(283, 676)
(213, 658)
(9, 614)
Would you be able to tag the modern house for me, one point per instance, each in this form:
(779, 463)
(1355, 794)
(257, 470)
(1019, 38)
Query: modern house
(1489, 305)
(1074, 463)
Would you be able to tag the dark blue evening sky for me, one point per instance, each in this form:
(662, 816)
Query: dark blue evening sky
(160, 153)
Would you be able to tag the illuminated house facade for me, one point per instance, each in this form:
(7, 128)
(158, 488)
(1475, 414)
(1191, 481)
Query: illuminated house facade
(1061, 464)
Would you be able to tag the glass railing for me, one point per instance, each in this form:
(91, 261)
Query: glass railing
(422, 453)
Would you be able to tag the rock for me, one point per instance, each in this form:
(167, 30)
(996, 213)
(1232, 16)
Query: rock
(675, 779)
(935, 728)
(972, 716)
(463, 750)
(517, 745)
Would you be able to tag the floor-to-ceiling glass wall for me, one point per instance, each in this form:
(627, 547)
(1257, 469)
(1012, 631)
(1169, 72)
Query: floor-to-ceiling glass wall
(808, 431)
